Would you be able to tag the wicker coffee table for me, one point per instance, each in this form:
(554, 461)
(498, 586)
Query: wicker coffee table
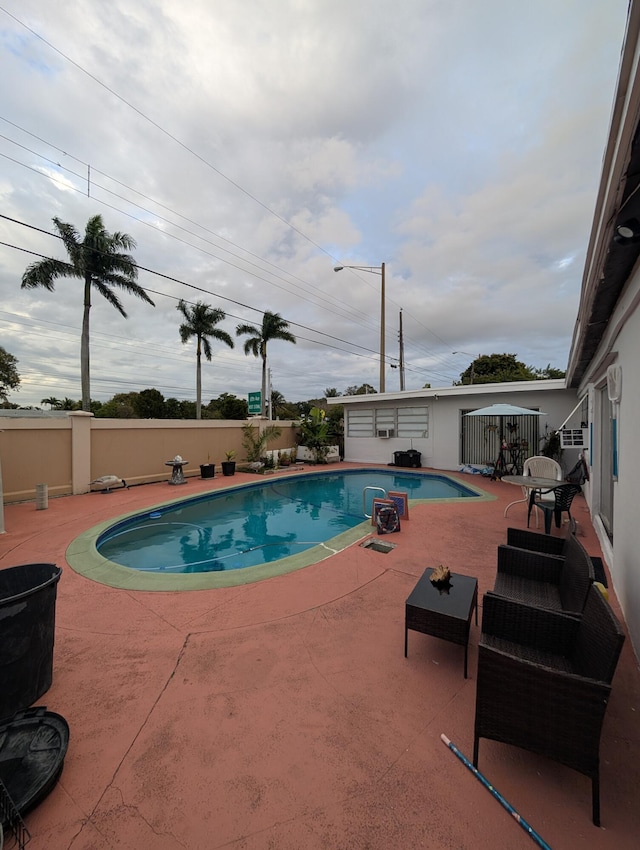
(441, 613)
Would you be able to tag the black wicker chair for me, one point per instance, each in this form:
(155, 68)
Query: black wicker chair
(536, 541)
(563, 497)
(557, 582)
(544, 681)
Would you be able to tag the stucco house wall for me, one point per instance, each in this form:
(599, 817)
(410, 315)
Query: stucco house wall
(441, 447)
(620, 348)
(607, 337)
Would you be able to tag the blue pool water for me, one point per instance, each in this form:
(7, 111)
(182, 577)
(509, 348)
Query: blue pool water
(261, 522)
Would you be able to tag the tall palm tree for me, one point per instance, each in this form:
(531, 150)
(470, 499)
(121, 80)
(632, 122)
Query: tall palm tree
(200, 321)
(273, 327)
(98, 261)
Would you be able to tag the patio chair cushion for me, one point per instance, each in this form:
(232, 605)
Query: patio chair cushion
(555, 582)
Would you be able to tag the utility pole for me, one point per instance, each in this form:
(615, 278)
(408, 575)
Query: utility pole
(401, 338)
(269, 391)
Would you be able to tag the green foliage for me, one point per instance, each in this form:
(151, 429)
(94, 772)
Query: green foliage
(363, 389)
(254, 442)
(550, 444)
(549, 372)
(9, 377)
(149, 404)
(314, 434)
(52, 401)
(121, 406)
(331, 392)
(228, 406)
(498, 368)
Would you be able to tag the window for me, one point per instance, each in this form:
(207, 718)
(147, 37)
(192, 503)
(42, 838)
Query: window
(413, 422)
(360, 423)
(389, 422)
(385, 419)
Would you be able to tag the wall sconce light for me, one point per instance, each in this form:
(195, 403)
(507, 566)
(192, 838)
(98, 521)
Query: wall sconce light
(628, 231)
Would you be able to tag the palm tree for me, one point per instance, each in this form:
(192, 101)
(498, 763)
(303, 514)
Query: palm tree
(200, 321)
(99, 262)
(273, 327)
(52, 401)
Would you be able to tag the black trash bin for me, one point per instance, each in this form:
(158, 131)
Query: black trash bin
(409, 457)
(414, 458)
(27, 625)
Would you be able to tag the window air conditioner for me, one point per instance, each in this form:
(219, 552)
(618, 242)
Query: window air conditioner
(574, 438)
(385, 433)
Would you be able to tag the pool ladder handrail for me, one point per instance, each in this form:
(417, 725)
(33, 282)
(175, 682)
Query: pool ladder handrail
(364, 498)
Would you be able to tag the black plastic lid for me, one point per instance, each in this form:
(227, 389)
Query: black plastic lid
(33, 744)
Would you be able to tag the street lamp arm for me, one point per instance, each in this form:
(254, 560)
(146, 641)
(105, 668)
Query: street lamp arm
(375, 270)
(372, 269)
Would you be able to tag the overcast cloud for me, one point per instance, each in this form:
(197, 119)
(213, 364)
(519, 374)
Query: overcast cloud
(250, 146)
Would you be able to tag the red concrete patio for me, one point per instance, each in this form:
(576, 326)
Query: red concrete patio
(283, 714)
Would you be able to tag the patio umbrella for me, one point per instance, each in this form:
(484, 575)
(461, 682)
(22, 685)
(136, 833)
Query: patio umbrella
(501, 411)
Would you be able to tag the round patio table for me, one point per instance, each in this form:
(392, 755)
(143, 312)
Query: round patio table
(532, 483)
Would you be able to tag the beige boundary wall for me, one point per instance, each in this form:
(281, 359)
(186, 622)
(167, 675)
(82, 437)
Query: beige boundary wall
(68, 453)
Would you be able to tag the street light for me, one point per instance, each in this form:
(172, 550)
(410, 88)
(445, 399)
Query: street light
(380, 271)
(466, 353)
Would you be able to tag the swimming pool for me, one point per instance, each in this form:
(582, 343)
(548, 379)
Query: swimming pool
(260, 523)
(249, 532)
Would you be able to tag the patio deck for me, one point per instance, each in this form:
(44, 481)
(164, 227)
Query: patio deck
(283, 714)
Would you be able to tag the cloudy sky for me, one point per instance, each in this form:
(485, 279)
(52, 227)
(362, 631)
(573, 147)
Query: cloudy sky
(250, 146)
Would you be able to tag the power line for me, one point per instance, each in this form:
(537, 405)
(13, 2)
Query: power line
(172, 279)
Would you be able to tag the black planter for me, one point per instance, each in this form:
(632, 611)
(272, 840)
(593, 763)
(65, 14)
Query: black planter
(207, 470)
(228, 467)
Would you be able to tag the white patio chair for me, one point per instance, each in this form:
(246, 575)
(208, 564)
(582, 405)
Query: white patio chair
(539, 467)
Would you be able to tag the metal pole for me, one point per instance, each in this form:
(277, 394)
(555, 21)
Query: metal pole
(539, 840)
(401, 355)
(382, 329)
(269, 390)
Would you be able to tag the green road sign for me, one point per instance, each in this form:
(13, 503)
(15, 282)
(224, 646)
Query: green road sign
(255, 403)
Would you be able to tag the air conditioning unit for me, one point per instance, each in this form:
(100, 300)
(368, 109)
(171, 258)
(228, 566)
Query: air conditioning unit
(385, 433)
(574, 438)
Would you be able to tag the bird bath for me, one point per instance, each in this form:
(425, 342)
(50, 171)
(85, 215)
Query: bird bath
(177, 475)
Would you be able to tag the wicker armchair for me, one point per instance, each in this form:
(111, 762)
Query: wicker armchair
(525, 539)
(560, 583)
(544, 681)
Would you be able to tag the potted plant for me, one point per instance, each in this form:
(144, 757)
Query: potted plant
(208, 469)
(284, 458)
(255, 441)
(229, 465)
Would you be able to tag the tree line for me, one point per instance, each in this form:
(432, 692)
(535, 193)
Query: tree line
(100, 260)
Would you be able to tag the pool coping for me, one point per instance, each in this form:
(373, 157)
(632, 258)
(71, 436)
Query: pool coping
(84, 558)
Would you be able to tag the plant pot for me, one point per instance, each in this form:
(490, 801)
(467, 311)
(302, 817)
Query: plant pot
(228, 467)
(207, 470)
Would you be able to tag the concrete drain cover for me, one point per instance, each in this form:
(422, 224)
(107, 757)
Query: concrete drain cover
(378, 545)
